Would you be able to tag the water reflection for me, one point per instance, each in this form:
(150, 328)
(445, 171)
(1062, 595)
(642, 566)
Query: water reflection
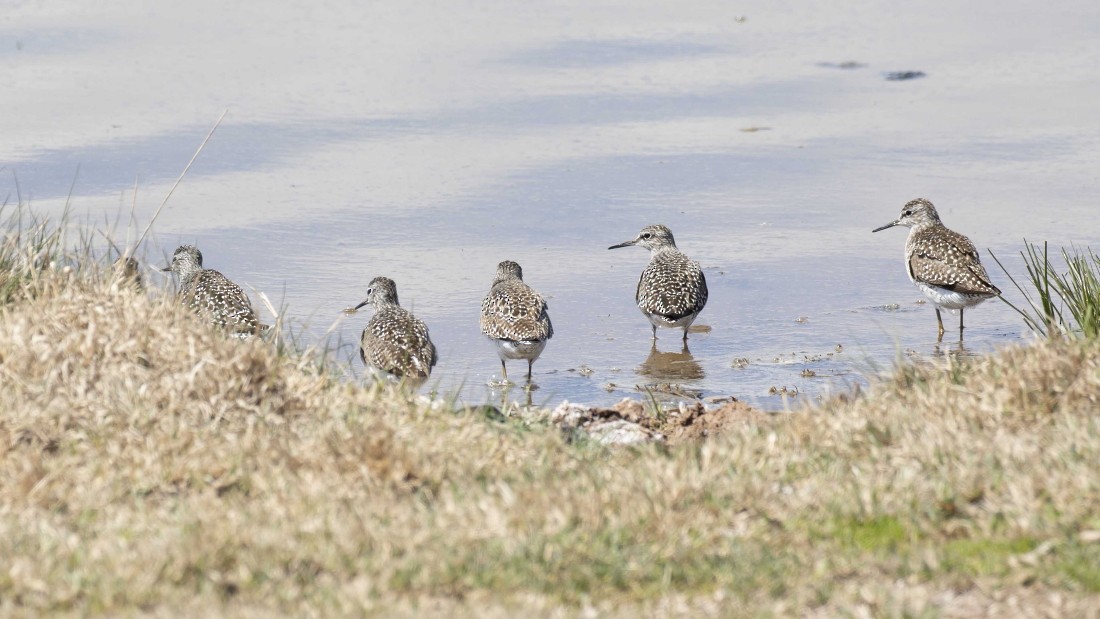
(956, 350)
(505, 390)
(671, 365)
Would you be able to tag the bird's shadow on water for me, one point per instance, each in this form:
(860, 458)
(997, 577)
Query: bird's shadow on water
(671, 365)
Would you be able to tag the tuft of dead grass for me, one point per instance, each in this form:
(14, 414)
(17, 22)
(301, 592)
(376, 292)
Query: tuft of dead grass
(154, 466)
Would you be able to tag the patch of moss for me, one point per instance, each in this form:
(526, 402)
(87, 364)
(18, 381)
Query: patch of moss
(983, 557)
(1081, 565)
(878, 533)
(575, 564)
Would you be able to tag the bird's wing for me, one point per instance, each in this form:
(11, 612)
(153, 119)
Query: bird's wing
(949, 260)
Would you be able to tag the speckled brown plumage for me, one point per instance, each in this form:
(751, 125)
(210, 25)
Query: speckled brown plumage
(672, 289)
(211, 294)
(942, 263)
(395, 344)
(515, 317)
(127, 272)
(942, 257)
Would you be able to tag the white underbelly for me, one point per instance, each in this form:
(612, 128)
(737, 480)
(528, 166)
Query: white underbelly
(949, 299)
(658, 320)
(513, 349)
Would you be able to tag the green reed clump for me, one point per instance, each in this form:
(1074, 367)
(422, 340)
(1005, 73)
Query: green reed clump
(1060, 303)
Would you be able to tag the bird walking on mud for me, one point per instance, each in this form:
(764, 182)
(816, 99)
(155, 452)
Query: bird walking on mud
(211, 294)
(672, 289)
(515, 317)
(942, 263)
(395, 345)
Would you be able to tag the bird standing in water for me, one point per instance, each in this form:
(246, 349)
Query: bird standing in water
(672, 289)
(515, 317)
(942, 263)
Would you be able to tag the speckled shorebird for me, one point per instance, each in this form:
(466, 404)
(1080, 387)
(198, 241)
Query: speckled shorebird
(127, 272)
(941, 262)
(395, 345)
(672, 290)
(514, 316)
(212, 294)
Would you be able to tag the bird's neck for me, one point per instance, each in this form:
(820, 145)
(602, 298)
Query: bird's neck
(925, 226)
(187, 276)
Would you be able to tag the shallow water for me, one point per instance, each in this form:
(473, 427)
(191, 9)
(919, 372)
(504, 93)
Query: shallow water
(429, 143)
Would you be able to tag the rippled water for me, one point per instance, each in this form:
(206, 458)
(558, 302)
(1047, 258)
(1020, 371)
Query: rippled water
(427, 143)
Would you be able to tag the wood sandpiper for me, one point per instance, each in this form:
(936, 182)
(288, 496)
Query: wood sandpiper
(211, 294)
(672, 289)
(941, 262)
(395, 345)
(514, 316)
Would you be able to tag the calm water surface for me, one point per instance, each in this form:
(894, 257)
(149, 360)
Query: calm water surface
(428, 143)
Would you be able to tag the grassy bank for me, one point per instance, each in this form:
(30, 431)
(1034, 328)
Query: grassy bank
(153, 466)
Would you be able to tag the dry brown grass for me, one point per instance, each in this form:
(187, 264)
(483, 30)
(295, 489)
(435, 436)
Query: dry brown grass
(152, 466)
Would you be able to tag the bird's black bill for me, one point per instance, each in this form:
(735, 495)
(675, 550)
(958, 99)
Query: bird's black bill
(167, 269)
(626, 244)
(889, 225)
(360, 305)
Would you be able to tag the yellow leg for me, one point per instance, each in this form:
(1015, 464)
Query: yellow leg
(939, 321)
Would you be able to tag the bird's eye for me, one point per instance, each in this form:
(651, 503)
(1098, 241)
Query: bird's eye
(646, 235)
(907, 213)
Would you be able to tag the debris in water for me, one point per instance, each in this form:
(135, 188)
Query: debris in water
(899, 76)
(850, 64)
(671, 389)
